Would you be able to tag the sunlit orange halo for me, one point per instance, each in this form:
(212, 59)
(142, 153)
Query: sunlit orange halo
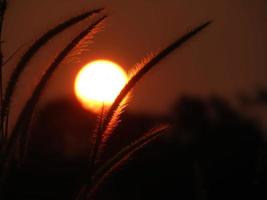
(99, 83)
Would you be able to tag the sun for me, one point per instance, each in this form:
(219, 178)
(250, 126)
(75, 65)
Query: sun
(98, 83)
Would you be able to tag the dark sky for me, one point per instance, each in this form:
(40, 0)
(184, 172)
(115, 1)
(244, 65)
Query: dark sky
(227, 58)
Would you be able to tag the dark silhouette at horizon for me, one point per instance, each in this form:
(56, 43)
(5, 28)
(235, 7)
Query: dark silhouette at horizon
(211, 152)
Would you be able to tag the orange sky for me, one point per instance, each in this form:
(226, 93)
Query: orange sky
(227, 58)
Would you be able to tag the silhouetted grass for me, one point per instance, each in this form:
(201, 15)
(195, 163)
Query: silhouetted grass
(3, 5)
(104, 123)
(121, 157)
(149, 65)
(18, 137)
(29, 54)
(15, 145)
(23, 122)
(101, 132)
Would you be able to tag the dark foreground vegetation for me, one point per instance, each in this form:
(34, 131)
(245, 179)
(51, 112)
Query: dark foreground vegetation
(211, 152)
(14, 144)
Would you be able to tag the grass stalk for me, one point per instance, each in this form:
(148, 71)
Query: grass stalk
(19, 133)
(3, 5)
(148, 66)
(29, 54)
(122, 157)
(12, 55)
(21, 128)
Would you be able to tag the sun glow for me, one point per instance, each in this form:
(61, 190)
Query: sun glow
(99, 83)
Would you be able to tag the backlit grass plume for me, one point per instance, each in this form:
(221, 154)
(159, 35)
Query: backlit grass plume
(15, 144)
(148, 65)
(23, 122)
(121, 157)
(13, 147)
(107, 119)
(29, 54)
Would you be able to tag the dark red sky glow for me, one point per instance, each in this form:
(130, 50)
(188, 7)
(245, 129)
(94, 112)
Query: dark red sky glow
(227, 58)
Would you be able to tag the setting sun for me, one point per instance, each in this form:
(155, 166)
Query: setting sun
(98, 83)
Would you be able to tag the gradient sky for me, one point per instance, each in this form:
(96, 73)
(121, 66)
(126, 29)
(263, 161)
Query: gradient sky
(227, 58)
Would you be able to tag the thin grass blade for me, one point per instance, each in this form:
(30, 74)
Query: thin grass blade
(149, 64)
(36, 46)
(3, 6)
(23, 122)
(122, 157)
(12, 55)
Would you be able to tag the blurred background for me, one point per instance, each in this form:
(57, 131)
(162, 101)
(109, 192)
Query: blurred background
(213, 90)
